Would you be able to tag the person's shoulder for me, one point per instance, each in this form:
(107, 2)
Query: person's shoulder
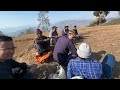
(10, 61)
(69, 40)
(95, 61)
(77, 59)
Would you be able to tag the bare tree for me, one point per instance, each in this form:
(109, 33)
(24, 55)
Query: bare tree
(43, 19)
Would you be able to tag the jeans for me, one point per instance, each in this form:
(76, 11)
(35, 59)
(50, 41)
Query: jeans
(107, 66)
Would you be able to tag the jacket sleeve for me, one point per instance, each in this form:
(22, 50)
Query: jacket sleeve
(17, 64)
(28, 75)
(72, 48)
(50, 34)
(37, 41)
(24, 67)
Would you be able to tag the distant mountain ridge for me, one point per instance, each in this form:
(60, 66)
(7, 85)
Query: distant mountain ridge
(14, 31)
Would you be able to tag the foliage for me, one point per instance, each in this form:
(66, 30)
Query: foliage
(44, 21)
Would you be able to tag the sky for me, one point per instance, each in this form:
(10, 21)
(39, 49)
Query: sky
(21, 18)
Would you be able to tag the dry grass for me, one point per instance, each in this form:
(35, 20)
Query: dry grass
(102, 39)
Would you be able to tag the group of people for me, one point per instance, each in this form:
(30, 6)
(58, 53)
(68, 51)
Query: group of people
(42, 43)
(75, 61)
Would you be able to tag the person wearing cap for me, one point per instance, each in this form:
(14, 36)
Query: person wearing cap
(64, 45)
(42, 43)
(65, 30)
(90, 69)
(53, 35)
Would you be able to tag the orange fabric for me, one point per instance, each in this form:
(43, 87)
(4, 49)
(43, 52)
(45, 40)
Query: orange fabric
(43, 58)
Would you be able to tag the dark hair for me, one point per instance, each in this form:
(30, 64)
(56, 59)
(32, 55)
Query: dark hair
(5, 38)
(75, 26)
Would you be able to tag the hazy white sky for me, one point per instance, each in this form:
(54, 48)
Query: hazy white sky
(20, 18)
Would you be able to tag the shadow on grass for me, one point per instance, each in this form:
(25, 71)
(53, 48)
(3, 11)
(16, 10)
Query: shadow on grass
(116, 71)
(98, 55)
(80, 38)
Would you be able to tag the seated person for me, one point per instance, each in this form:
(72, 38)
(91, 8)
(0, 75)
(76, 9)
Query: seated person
(64, 49)
(65, 31)
(9, 68)
(42, 43)
(75, 30)
(53, 35)
(90, 69)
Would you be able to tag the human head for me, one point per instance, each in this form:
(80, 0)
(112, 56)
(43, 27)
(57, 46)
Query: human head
(75, 27)
(54, 28)
(71, 34)
(7, 48)
(84, 50)
(66, 27)
(38, 32)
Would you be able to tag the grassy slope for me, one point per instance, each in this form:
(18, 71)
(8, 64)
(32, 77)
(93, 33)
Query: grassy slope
(102, 39)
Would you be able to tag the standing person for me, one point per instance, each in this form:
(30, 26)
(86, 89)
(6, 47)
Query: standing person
(42, 43)
(90, 69)
(65, 30)
(62, 49)
(53, 35)
(9, 68)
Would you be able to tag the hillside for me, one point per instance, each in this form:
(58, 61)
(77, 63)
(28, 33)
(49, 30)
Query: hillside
(102, 39)
(113, 22)
(15, 31)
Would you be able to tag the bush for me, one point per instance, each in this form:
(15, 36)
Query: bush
(29, 31)
(91, 24)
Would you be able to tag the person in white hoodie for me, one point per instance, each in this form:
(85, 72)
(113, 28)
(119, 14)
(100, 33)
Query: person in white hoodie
(90, 69)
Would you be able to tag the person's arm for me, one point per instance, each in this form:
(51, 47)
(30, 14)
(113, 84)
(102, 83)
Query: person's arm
(50, 34)
(72, 48)
(63, 33)
(28, 75)
(56, 34)
(21, 65)
(38, 41)
(32, 69)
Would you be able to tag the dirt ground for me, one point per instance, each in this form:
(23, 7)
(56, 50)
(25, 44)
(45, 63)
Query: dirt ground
(102, 39)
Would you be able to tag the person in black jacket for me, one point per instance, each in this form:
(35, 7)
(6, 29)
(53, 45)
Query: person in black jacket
(9, 68)
(65, 30)
(75, 30)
